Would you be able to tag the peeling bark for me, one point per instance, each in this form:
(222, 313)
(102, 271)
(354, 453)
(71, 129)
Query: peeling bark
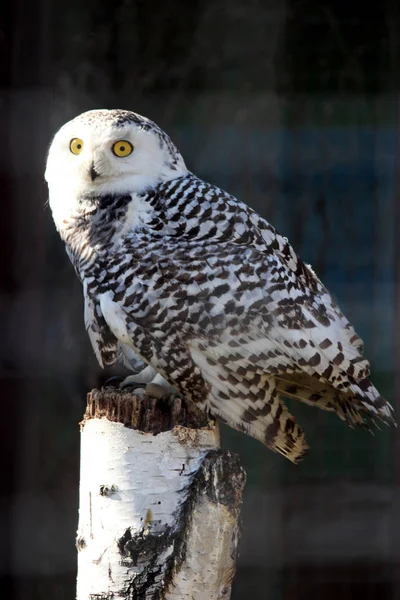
(159, 502)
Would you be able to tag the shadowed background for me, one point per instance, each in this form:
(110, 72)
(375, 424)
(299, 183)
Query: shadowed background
(294, 107)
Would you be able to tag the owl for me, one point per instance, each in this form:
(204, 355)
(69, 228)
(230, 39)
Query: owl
(194, 292)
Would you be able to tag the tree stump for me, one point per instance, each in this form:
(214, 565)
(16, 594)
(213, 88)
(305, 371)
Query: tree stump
(159, 502)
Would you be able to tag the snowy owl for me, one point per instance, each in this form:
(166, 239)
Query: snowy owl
(186, 281)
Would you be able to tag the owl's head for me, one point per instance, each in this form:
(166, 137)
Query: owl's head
(109, 152)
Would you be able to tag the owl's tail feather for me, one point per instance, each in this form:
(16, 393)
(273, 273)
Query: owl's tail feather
(250, 403)
(362, 406)
(273, 425)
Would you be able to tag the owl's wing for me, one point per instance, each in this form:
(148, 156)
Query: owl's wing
(255, 300)
(267, 240)
(193, 209)
(246, 321)
(248, 311)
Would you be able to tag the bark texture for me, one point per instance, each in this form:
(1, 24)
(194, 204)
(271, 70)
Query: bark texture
(159, 502)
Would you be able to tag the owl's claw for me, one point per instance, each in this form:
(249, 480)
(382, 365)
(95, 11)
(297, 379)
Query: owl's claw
(136, 388)
(146, 383)
(141, 379)
(114, 381)
(126, 383)
(118, 381)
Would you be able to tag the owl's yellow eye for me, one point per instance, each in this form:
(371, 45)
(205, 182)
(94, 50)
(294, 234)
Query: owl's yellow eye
(122, 148)
(76, 145)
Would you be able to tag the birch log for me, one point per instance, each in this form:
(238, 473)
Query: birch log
(159, 502)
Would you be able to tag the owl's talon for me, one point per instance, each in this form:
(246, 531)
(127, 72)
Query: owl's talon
(140, 379)
(127, 385)
(114, 381)
(139, 392)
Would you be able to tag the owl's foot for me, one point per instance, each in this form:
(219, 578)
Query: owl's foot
(151, 390)
(134, 383)
(140, 388)
(114, 381)
(148, 383)
(145, 376)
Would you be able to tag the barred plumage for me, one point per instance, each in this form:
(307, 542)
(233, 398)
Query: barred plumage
(179, 275)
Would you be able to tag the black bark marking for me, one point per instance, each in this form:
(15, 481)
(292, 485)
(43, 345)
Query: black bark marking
(138, 546)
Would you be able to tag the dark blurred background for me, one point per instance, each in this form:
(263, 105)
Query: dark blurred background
(292, 105)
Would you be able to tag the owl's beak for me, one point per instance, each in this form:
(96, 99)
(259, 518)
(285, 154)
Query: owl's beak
(93, 172)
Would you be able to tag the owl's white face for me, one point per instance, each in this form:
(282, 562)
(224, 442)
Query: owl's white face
(107, 152)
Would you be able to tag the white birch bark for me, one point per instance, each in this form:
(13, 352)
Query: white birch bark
(158, 514)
